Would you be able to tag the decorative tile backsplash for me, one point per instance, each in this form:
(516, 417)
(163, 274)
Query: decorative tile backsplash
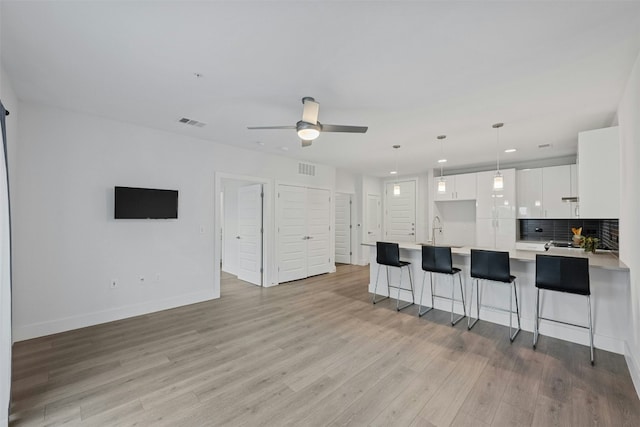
(560, 230)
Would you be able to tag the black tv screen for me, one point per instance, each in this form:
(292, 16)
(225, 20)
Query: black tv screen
(145, 203)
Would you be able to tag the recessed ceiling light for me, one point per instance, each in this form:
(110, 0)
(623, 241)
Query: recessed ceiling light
(442, 161)
(393, 173)
(510, 150)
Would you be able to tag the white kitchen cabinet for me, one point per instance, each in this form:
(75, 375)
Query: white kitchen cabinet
(540, 192)
(575, 206)
(556, 184)
(458, 187)
(529, 194)
(496, 211)
(599, 173)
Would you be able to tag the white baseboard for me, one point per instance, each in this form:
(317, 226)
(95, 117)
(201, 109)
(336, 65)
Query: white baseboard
(34, 330)
(634, 367)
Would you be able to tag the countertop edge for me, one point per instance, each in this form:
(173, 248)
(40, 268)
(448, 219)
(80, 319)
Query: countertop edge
(605, 261)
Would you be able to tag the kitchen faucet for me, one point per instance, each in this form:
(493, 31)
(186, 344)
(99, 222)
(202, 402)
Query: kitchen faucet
(436, 219)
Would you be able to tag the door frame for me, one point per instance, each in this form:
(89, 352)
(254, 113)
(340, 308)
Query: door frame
(268, 246)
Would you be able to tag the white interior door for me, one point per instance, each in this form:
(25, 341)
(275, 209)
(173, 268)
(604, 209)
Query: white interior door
(250, 234)
(400, 212)
(292, 233)
(318, 231)
(343, 228)
(374, 219)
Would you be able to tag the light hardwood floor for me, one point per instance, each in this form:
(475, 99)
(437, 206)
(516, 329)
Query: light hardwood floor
(312, 352)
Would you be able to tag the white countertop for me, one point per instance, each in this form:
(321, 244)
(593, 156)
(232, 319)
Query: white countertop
(605, 260)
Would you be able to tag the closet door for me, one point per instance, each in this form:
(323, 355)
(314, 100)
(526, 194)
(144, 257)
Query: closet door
(304, 232)
(292, 233)
(318, 231)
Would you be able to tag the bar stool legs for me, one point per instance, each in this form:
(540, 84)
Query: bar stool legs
(510, 311)
(422, 312)
(536, 324)
(428, 309)
(399, 287)
(413, 298)
(464, 310)
(375, 288)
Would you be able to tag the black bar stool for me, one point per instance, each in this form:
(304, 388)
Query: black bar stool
(562, 274)
(388, 254)
(437, 259)
(493, 266)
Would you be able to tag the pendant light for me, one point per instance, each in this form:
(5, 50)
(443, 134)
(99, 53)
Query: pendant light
(396, 186)
(498, 180)
(442, 182)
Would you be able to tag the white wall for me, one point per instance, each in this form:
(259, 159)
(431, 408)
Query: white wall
(10, 102)
(629, 119)
(69, 247)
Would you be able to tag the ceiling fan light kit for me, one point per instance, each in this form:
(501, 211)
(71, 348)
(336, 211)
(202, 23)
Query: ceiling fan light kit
(307, 131)
(309, 128)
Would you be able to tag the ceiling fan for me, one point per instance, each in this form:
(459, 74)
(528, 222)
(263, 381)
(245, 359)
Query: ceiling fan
(309, 127)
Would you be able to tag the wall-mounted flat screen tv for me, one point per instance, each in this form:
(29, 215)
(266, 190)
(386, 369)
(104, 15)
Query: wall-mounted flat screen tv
(145, 203)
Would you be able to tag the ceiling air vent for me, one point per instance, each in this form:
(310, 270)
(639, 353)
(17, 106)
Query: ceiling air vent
(191, 122)
(306, 169)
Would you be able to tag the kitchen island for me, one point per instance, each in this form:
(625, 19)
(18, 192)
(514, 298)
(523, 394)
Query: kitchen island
(610, 293)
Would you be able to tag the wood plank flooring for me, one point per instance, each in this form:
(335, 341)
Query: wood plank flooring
(310, 353)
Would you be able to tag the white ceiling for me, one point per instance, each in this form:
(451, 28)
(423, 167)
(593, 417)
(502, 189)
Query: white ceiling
(408, 70)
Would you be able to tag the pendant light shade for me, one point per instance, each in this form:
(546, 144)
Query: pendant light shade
(442, 183)
(498, 182)
(442, 186)
(498, 179)
(396, 186)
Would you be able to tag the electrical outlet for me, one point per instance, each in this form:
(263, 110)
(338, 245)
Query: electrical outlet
(141, 280)
(113, 284)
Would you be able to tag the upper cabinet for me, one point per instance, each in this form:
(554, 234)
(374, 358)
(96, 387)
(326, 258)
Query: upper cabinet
(540, 192)
(458, 187)
(599, 173)
(556, 184)
(529, 193)
(496, 204)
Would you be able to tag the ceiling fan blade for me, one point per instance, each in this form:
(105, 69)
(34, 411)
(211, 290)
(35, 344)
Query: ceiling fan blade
(305, 143)
(310, 110)
(342, 128)
(271, 127)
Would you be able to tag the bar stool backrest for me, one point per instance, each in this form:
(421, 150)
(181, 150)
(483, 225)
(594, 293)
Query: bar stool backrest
(563, 274)
(437, 259)
(490, 265)
(388, 254)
